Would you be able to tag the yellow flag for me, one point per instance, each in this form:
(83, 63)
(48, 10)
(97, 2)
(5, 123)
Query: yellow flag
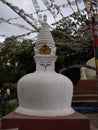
(4, 0)
(57, 7)
(52, 0)
(97, 67)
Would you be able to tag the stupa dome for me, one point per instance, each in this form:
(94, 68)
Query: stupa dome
(45, 92)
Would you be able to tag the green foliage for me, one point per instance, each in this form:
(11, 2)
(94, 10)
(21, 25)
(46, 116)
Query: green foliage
(9, 75)
(25, 64)
(25, 43)
(13, 93)
(25, 59)
(73, 74)
(11, 106)
(11, 42)
(59, 35)
(74, 29)
(62, 51)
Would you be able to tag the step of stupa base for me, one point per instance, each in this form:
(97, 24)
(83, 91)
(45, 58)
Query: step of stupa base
(24, 122)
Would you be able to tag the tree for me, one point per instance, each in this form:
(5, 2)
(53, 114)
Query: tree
(25, 43)
(11, 43)
(74, 41)
(74, 30)
(24, 59)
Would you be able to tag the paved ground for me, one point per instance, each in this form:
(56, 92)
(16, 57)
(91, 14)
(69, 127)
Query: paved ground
(93, 119)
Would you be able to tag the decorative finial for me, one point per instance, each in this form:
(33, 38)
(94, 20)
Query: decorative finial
(45, 18)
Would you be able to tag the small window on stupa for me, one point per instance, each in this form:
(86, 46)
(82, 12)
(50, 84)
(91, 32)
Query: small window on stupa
(44, 49)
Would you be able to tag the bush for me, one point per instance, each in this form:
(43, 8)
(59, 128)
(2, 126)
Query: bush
(11, 106)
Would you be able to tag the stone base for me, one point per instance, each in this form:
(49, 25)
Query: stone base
(75, 121)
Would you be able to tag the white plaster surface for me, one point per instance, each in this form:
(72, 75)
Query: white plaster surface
(45, 37)
(45, 62)
(83, 73)
(45, 113)
(45, 94)
(91, 74)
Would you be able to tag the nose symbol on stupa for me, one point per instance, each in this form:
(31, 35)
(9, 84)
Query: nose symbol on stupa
(45, 64)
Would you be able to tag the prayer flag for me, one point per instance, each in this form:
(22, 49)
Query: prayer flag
(95, 34)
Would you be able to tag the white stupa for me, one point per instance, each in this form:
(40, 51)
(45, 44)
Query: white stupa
(45, 92)
(86, 73)
(91, 74)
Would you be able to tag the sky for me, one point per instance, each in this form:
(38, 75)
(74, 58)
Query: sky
(28, 7)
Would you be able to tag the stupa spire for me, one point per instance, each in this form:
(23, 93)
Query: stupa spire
(45, 18)
(45, 40)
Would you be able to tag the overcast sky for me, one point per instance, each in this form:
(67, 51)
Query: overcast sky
(28, 7)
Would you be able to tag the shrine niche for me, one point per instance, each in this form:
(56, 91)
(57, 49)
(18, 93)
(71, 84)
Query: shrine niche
(45, 49)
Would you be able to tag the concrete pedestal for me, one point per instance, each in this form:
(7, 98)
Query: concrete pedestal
(75, 121)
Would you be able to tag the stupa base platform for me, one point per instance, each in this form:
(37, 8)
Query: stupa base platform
(75, 121)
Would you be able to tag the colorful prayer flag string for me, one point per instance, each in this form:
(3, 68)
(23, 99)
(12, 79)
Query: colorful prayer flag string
(20, 12)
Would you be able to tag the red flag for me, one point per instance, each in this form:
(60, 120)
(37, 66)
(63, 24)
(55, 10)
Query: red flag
(95, 29)
(95, 33)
